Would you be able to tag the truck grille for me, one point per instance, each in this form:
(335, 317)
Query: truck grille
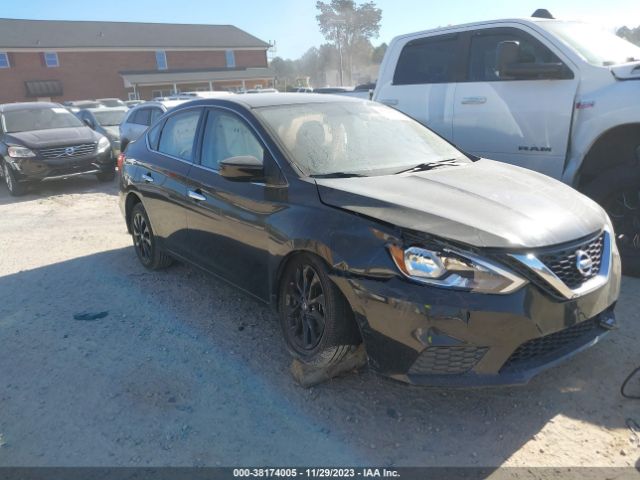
(539, 348)
(69, 151)
(563, 262)
(447, 360)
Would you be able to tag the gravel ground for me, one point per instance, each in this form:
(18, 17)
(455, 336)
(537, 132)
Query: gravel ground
(184, 370)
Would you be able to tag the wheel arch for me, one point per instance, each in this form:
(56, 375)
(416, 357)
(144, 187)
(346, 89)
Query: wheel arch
(613, 147)
(131, 201)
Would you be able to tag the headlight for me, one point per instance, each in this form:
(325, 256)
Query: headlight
(103, 144)
(452, 269)
(20, 152)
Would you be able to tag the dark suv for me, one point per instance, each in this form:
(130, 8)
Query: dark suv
(42, 141)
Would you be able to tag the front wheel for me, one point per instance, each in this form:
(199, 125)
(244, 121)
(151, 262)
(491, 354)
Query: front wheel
(316, 320)
(618, 192)
(15, 189)
(145, 242)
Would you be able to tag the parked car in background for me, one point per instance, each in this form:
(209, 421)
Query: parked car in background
(76, 105)
(105, 120)
(133, 103)
(111, 102)
(138, 119)
(558, 97)
(42, 141)
(358, 224)
(259, 90)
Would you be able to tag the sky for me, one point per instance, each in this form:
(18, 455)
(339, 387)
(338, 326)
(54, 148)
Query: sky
(291, 24)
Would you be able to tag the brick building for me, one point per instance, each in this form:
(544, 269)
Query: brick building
(70, 60)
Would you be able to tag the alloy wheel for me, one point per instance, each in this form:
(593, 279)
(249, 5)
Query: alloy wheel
(306, 308)
(142, 237)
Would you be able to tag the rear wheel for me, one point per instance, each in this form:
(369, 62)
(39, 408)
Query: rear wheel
(15, 189)
(145, 242)
(316, 320)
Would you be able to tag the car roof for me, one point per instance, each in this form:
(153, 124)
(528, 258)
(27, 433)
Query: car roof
(523, 20)
(275, 99)
(160, 103)
(107, 109)
(8, 107)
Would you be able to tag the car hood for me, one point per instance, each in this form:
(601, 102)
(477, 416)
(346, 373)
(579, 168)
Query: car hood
(483, 204)
(53, 137)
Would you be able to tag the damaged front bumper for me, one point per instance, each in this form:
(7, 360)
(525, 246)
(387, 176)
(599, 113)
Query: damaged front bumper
(435, 336)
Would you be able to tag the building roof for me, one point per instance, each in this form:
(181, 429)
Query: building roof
(61, 34)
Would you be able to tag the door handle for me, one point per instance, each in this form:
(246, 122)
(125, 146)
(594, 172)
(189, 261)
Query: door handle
(474, 100)
(389, 101)
(198, 197)
(147, 178)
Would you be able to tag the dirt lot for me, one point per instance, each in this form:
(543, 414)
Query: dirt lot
(185, 370)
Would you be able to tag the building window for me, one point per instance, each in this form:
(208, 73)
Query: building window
(161, 60)
(4, 60)
(51, 59)
(231, 59)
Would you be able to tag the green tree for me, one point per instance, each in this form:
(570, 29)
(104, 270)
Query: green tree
(378, 53)
(347, 26)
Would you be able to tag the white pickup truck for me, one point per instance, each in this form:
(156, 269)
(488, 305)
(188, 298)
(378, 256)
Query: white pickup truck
(558, 97)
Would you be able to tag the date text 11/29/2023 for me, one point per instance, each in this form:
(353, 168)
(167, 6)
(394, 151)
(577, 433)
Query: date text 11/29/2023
(315, 473)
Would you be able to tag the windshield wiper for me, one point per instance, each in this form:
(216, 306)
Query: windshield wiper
(338, 175)
(429, 166)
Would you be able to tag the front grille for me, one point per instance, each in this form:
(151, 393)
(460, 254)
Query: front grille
(536, 350)
(447, 360)
(563, 262)
(69, 151)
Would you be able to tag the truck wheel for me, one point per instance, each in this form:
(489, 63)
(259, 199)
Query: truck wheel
(618, 191)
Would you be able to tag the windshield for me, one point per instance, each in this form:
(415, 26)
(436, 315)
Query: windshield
(39, 119)
(107, 119)
(595, 45)
(363, 138)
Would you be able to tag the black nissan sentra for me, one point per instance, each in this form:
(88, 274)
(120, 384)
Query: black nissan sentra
(41, 141)
(358, 224)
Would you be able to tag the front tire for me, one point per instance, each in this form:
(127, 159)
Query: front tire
(145, 242)
(316, 320)
(15, 189)
(618, 192)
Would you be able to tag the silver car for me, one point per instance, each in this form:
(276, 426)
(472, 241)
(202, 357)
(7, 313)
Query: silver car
(141, 116)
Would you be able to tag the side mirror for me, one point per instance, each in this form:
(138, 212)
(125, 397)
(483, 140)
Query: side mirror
(509, 65)
(88, 122)
(242, 169)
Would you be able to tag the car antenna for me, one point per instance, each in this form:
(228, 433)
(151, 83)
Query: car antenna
(542, 13)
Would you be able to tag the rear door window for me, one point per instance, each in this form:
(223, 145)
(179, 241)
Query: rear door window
(178, 135)
(142, 117)
(427, 60)
(155, 114)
